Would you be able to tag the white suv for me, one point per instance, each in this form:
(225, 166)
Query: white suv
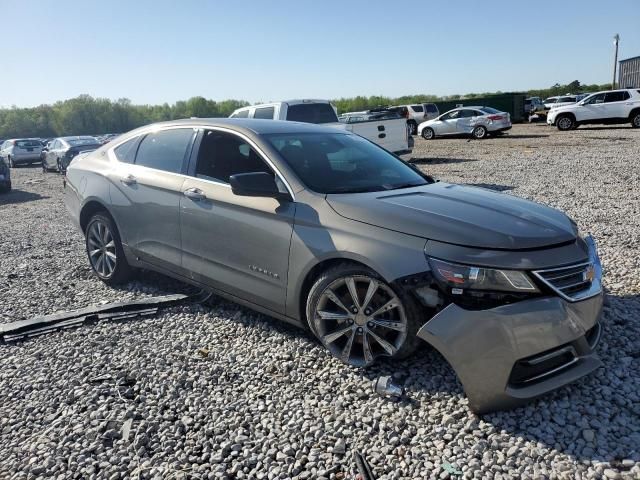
(613, 106)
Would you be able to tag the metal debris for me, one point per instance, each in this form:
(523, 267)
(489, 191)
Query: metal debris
(22, 329)
(362, 466)
(387, 388)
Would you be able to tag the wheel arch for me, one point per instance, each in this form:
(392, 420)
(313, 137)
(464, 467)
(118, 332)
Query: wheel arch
(89, 209)
(315, 271)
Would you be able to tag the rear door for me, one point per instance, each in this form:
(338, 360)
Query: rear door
(466, 121)
(615, 104)
(237, 244)
(146, 193)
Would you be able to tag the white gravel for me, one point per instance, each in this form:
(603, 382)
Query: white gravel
(221, 392)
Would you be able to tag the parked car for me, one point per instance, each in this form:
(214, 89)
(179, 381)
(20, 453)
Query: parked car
(5, 177)
(564, 100)
(326, 230)
(549, 102)
(476, 121)
(389, 133)
(20, 151)
(533, 105)
(61, 151)
(416, 114)
(608, 107)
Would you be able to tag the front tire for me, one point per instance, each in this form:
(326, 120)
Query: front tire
(104, 250)
(359, 318)
(479, 132)
(565, 122)
(635, 119)
(428, 134)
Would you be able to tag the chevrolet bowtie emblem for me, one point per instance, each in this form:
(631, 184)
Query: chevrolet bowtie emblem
(589, 273)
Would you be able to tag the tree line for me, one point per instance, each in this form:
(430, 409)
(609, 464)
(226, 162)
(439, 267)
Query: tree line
(85, 115)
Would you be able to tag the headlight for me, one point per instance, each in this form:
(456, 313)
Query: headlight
(459, 278)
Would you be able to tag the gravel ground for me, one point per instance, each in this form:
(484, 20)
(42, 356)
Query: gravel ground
(217, 391)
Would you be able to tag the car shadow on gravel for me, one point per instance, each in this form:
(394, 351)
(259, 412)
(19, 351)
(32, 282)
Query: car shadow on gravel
(439, 160)
(19, 196)
(524, 136)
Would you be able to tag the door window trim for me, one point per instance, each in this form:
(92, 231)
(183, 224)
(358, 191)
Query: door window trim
(192, 149)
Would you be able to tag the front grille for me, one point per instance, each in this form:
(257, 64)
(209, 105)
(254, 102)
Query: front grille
(572, 282)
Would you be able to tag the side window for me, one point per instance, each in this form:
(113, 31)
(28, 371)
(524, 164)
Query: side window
(126, 152)
(55, 145)
(452, 115)
(615, 97)
(467, 113)
(223, 154)
(599, 98)
(241, 114)
(165, 150)
(264, 112)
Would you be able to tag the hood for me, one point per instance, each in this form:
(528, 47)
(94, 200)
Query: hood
(469, 216)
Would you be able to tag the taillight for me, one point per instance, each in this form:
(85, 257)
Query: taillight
(495, 117)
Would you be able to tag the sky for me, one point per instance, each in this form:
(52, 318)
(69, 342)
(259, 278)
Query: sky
(162, 51)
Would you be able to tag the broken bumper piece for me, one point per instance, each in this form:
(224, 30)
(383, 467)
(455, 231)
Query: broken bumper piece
(10, 332)
(508, 355)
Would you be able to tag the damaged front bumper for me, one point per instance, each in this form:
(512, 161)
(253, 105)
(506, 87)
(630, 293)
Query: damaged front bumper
(507, 355)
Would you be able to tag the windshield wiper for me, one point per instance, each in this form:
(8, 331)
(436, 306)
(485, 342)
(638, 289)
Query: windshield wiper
(406, 185)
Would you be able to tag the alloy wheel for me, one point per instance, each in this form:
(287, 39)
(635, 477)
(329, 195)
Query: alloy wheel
(636, 120)
(479, 132)
(101, 247)
(359, 318)
(565, 123)
(427, 134)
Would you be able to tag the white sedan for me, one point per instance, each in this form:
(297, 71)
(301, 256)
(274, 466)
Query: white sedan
(476, 121)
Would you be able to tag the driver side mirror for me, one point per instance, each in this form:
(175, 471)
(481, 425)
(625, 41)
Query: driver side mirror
(256, 184)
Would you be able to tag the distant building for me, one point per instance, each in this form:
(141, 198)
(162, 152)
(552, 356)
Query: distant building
(629, 73)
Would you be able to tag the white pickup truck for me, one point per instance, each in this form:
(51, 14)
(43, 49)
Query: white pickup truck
(390, 134)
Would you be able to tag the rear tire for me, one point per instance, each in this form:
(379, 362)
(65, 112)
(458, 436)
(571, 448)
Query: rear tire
(635, 119)
(428, 134)
(565, 122)
(104, 250)
(355, 333)
(479, 132)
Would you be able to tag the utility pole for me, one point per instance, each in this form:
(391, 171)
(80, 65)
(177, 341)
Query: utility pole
(616, 40)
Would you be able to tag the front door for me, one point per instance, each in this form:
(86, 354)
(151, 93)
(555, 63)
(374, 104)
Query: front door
(448, 123)
(147, 192)
(594, 108)
(237, 244)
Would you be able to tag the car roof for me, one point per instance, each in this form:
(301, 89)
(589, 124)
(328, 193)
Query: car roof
(247, 125)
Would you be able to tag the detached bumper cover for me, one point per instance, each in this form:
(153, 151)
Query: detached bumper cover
(485, 346)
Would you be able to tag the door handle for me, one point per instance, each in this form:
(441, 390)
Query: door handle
(129, 180)
(194, 194)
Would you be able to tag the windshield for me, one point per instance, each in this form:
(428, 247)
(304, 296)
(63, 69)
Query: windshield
(75, 142)
(343, 163)
(566, 100)
(490, 110)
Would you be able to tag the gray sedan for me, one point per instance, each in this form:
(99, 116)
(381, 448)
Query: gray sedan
(476, 121)
(323, 229)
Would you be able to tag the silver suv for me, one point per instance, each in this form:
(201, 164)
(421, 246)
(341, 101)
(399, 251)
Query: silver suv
(21, 151)
(326, 230)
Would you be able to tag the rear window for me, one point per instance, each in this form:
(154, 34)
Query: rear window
(76, 142)
(489, 110)
(241, 114)
(417, 108)
(312, 113)
(265, 112)
(126, 152)
(28, 143)
(431, 108)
